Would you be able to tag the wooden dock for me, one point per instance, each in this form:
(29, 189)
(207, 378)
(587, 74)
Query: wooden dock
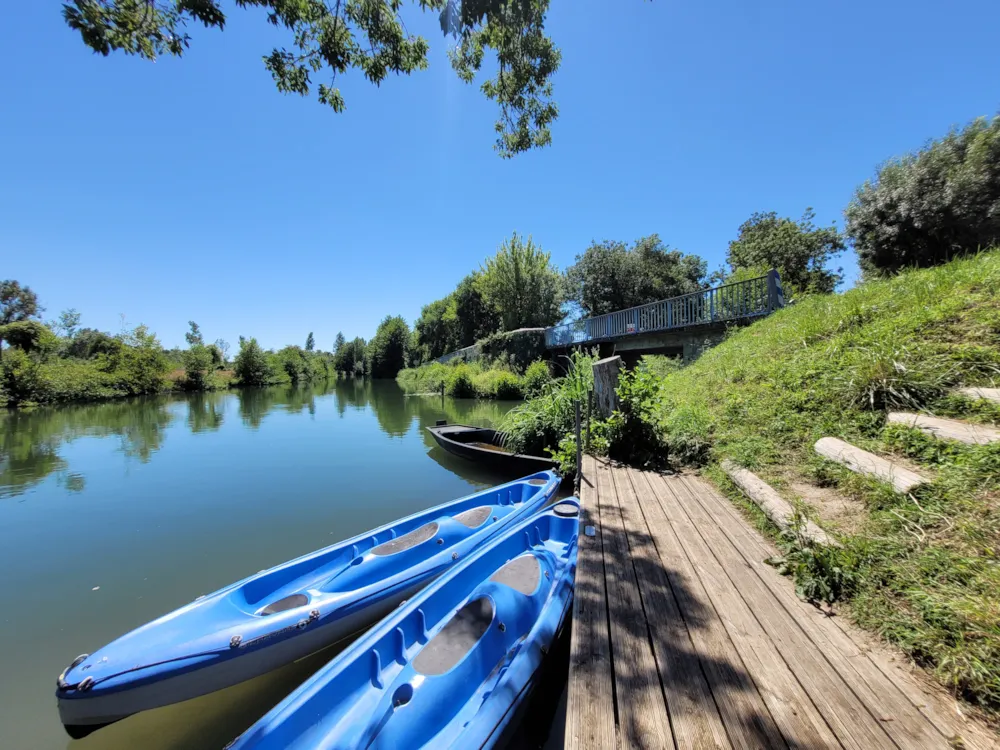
(684, 638)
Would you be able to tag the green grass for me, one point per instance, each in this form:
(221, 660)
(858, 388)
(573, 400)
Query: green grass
(924, 570)
(475, 379)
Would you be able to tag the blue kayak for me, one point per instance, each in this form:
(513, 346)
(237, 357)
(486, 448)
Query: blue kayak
(450, 667)
(288, 612)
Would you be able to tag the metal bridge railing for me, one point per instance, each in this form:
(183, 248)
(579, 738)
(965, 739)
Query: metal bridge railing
(731, 302)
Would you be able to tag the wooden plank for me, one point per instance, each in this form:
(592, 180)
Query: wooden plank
(606, 385)
(746, 718)
(694, 717)
(989, 394)
(797, 718)
(642, 711)
(843, 712)
(863, 462)
(774, 505)
(899, 715)
(590, 712)
(946, 429)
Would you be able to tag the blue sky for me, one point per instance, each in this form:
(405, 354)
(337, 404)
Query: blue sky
(191, 189)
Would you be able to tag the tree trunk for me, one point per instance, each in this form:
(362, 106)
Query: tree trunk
(606, 385)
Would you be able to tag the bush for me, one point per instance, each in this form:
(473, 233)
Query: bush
(633, 434)
(460, 382)
(925, 208)
(498, 384)
(20, 378)
(251, 365)
(536, 378)
(197, 367)
(137, 362)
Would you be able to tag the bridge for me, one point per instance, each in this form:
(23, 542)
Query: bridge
(682, 325)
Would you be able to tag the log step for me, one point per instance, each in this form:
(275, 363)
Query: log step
(989, 394)
(774, 505)
(863, 462)
(947, 429)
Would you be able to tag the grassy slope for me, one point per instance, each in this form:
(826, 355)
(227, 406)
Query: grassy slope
(922, 570)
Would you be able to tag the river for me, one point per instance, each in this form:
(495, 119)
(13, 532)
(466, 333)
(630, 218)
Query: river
(112, 514)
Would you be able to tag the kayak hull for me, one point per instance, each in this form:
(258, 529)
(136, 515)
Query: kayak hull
(452, 666)
(288, 612)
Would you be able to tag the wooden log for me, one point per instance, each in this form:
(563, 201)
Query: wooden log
(863, 462)
(774, 505)
(606, 385)
(989, 394)
(947, 429)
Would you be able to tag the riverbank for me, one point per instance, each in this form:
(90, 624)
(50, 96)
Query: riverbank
(475, 380)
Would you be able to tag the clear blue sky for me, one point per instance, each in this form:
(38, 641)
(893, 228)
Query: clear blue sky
(191, 189)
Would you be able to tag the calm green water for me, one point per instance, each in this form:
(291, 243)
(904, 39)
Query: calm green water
(113, 514)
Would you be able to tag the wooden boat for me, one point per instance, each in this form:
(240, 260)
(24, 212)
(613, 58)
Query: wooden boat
(450, 667)
(485, 446)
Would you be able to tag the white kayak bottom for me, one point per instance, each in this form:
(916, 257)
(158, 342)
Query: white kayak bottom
(83, 715)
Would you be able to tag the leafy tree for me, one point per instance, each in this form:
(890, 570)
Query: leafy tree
(435, 330)
(521, 285)
(310, 342)
(29, 336)
(223, 346)
(611, 276)
(89, 342)
(925, 208)
(474, 318)
(338, 342)
(799, 250)
(194, 337)
(251, 365)
(197, 367)
(69, 321)
(368, 36)
(386, 354)
(17, 303)
(137, 361)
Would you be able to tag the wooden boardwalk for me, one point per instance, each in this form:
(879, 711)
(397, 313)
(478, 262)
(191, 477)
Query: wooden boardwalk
(684, 638)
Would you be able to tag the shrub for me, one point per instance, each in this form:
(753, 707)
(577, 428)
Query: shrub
(536, 377)
(20, 378)
(251, 365)
(925, 208)
(633, 435)
(460, 382)
(137, 362)
(498, 384)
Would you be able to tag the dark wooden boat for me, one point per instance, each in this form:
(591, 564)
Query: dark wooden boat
(485, 446)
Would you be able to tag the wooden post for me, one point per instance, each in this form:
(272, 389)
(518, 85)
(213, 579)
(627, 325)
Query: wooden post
(442, 394)
(590, 412)
(775, 295)
(579, 462)
(606, 385)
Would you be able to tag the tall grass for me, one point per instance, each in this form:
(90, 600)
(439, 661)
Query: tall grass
(920, 569)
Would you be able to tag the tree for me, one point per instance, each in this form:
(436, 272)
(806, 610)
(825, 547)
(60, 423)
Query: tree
(350, 358)
(69, 321)
(223, 346)
(435, 329)
(474, 318)
(17, 303)
(197, 366)
(338, 342)
(251, 365)
(386, 354)
(925, 208)
(310, 342)
(194, 337)
(367, 36)
(521, 285)
(799, 251)
(611, 276)
(30, 336)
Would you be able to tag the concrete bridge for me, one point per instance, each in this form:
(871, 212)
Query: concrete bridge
(680, 326)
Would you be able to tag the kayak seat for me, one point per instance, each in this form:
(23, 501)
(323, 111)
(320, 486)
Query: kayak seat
(521, 574)
(455, 639)
(408, 540)
(282, 605)
(474, 517)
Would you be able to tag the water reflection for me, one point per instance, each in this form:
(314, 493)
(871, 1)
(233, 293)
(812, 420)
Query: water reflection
(31, 440)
